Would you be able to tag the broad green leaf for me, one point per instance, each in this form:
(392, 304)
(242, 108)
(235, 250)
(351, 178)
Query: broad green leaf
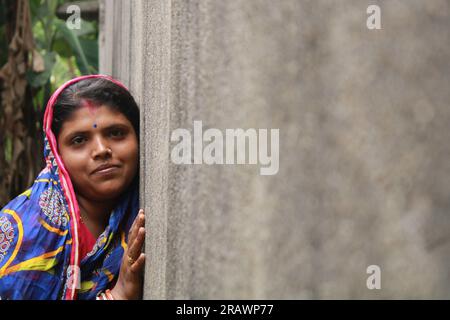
(52, 5)
(39, 37)
(39, 9)
(74, 43)
(62, 47)
(86, 28)
(90, 48)
(62, 71)
(39, 79)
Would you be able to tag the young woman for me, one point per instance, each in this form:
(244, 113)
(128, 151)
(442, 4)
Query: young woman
(77, 232)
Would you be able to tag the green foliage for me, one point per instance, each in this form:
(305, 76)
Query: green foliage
(66, 53)
(39, 79)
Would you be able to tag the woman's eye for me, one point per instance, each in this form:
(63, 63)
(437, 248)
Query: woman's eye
(78, 140)
(117, 133)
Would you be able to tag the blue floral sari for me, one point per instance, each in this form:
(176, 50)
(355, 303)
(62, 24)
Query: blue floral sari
(39, 233)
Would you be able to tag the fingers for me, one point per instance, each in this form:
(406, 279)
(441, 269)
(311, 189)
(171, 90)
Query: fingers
(134, 258)
(130, 232)
(138, 222)
(135, 222)
(135, 247)
(138, 265)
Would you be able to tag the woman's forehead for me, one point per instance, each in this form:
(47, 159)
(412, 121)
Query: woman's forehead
(94, 116)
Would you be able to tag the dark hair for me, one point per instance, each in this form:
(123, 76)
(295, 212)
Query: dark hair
(97, 91)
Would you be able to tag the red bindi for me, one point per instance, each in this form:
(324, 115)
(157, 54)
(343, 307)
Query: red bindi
(89, 104)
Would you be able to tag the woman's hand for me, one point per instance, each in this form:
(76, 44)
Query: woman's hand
(129, 283)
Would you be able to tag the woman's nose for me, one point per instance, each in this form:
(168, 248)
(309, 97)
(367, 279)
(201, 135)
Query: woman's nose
(101, 149)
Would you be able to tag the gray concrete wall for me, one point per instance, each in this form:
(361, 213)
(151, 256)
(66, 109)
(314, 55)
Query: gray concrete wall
(364, 122)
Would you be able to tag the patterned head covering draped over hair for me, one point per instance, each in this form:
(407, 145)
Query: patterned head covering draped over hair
(39, 233)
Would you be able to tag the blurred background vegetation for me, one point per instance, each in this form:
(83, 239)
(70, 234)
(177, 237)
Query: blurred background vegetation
(38, 53)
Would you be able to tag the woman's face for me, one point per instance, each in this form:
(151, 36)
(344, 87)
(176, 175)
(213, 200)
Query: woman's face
(94, 138)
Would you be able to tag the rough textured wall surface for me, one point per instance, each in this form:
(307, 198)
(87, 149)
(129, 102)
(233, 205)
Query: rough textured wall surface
(364, 122)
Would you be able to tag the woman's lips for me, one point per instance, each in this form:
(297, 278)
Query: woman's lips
(106, 170)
